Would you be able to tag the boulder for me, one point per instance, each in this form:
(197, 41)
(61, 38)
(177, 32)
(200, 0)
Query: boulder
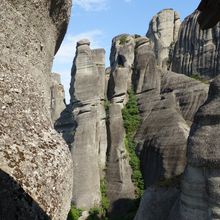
(36, 165)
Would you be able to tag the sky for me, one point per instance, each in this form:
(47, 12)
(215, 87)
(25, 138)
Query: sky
(101, 20)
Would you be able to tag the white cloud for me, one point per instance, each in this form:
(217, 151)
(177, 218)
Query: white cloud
(91, 5)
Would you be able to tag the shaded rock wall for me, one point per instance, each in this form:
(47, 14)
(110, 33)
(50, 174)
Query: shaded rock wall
(83, 124)
(200, 185)
(120, 188)
(197, 51)
(167, 103)
(57, 97)
(31, 152)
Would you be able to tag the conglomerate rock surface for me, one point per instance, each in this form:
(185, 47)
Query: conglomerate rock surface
(35, 163)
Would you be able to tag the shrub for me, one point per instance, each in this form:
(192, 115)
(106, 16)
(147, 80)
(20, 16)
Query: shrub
(199, 78)
(99, 213)
(123, 40)
(131, 119)
(74, 213)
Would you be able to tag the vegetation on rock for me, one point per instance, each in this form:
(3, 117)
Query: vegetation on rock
(199, 78)
(74, 213)
(131, 122)
(123, 40)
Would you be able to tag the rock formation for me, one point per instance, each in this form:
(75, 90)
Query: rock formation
(163, 33)
(57, 97)
(200, 186)
(167, 103)
(209, 15)
(118, 174)
(83, 124)
(36, 166)
(197, 51)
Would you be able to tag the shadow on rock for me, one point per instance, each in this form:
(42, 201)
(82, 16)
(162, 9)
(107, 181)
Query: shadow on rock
(15, 203)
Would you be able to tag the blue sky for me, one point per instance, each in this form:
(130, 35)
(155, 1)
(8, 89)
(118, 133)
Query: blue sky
(101, 20)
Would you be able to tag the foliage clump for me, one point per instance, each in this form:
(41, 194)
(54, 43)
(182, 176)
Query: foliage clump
(199, 78)
(131, 119)
(100, 213)
(74, 213)
(123, 40)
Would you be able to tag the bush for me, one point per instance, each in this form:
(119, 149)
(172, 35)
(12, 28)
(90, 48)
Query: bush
(74, 213)
(123, 40)
(131, 119)
(199, 78)
(99, 213)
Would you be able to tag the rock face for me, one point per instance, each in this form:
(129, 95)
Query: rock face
(163, 33)
(197, 51)
(118, 175)
(35, 165)
(83, 124)
(57, 97)
(167, 103)
(209, 15)
(200, 186)
(159, 201)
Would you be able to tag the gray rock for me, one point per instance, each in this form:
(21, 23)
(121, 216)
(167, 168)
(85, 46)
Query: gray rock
(32, 154)
(83, 125)
(163, 33)
(120, 188)
(83, 42)
(190, 93)
(57, 97)
(122, 51)
(157, 203)
(197, 51)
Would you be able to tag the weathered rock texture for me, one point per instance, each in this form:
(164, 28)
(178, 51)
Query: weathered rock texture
(200, 186)
(163, 33)
(83, 124)
(167, 103)
(157, 203)
(57, 97)
(118, 175)
(33, 156)
(197, 51)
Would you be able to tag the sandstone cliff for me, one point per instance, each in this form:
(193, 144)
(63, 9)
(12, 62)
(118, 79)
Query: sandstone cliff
(35, 166)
